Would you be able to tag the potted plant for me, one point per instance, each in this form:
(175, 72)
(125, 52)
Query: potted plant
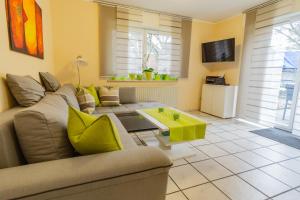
(148, 72)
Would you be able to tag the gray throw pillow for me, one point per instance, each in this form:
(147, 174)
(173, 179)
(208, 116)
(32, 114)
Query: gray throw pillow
(26, 90)
(50, 83)
(127, 95)
(42, 130)
(68, 92)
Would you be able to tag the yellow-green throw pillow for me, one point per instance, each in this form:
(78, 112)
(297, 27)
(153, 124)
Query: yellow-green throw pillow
(92, 90)
(90, 135)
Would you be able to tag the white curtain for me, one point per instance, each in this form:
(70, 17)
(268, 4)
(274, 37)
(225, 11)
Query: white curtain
(263, 61)
(128, 49)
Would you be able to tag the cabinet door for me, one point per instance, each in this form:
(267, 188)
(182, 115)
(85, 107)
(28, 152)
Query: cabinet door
(206, 101)
(218, 101)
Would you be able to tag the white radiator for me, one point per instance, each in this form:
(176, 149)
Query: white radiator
(165, 95)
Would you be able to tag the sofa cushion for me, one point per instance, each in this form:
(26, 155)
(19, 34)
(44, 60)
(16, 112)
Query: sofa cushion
(92, 90)
(50, 83)
(90, 134)
(42, 130)
(25, 89)
(109, 96)
(127, 95)
(68, 93)
(10, 152)
(86, 101)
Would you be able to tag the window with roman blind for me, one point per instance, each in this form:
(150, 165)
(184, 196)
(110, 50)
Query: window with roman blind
(270, 63)
(148, 40)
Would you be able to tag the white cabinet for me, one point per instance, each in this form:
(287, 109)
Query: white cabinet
(219, 100)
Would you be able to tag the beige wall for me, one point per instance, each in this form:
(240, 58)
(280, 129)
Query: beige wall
(76, 32)
(75, 25)
(229, 28)
(20, 64)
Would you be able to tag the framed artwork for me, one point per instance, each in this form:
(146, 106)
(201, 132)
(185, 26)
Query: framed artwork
(25, 27)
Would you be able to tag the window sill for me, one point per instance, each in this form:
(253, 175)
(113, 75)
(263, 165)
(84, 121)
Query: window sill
(141, 81)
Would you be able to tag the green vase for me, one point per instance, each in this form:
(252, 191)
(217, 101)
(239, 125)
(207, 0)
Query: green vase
(132, 76)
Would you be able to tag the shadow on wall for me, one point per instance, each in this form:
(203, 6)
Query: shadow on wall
(6, 98)
(67, 73)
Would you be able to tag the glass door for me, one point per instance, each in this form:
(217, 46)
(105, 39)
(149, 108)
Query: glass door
(288, 35)
(288, 92)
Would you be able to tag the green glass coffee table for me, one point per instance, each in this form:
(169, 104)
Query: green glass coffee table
(174, 134)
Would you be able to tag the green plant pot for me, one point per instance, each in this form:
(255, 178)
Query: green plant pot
(176, 116)
(139, 77)
(160, 110)
(148, 75)
(132, 76)
(164, 77)
(157, 77)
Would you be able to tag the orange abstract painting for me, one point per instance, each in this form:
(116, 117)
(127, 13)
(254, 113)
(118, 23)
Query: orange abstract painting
(25, 27)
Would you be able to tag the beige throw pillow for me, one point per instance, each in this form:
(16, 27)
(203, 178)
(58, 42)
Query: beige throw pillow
(86, 101)
(109, 96)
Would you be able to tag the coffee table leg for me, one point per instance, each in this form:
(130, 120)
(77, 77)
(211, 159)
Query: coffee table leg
(177, 151)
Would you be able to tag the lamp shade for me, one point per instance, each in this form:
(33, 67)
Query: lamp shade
(80, 62)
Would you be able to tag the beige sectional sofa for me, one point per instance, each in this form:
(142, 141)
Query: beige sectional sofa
(135, 173)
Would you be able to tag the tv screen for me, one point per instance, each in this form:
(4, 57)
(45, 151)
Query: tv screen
(219, 51)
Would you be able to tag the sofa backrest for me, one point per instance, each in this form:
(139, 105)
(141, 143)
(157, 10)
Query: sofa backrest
(10, 150)
(10, 153)
(42, 130)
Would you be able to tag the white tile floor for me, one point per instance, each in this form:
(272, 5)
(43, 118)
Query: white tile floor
(233, 163)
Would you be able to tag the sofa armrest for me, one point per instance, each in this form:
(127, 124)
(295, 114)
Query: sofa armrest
(38, 178)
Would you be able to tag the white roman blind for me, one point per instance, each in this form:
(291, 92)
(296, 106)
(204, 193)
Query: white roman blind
(263, 63)
(170, 54)
(145, 39)
(129, 41)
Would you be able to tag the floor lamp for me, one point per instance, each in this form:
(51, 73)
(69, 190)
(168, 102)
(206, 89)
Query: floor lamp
(80, 62)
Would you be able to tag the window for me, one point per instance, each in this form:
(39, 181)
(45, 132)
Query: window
(148, 40)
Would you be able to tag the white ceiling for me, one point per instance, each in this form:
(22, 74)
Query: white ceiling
(209, 10)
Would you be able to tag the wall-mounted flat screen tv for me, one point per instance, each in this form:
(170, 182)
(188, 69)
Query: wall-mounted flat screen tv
(219, 51)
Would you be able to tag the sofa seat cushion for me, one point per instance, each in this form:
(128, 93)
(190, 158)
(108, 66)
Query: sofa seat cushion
(42, 130)
(145, 105)
(125, 108)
